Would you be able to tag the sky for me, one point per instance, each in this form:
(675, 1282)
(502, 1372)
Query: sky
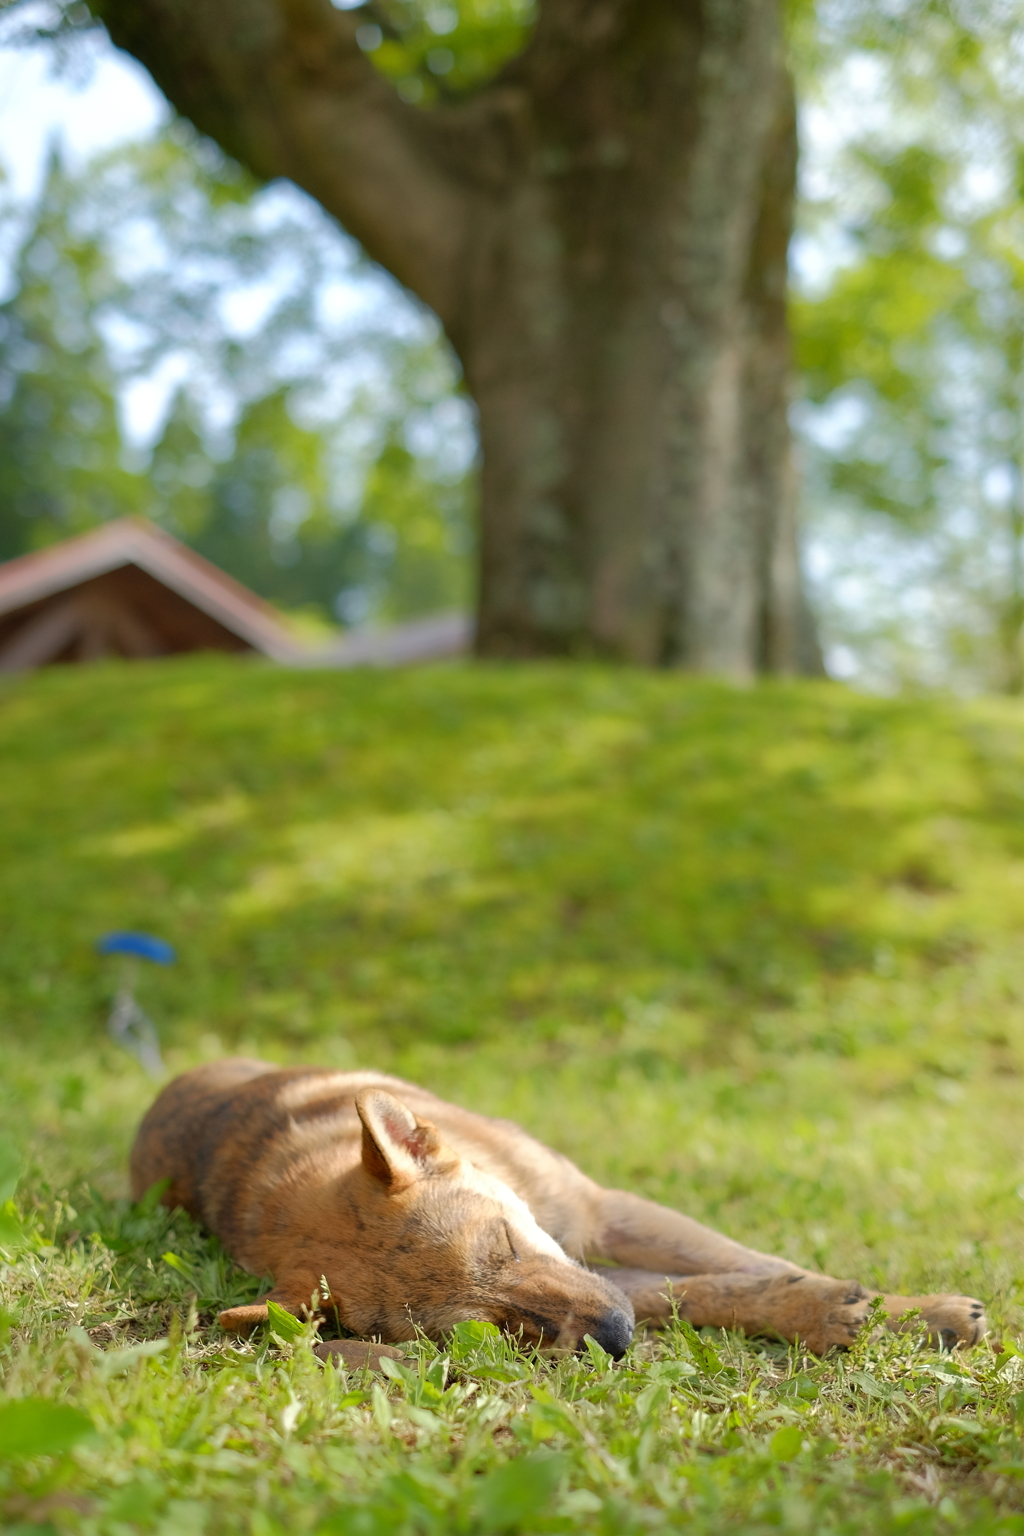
(116, 101)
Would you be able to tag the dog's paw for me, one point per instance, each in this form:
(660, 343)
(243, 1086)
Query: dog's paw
(825, 1314)
(951, 1321)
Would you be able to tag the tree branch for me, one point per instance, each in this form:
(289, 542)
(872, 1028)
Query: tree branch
(283, 86)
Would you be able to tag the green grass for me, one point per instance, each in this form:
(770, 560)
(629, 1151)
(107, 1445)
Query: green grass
(757, 954)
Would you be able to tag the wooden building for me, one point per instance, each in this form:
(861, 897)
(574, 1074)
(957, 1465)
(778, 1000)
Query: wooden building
(128, 589)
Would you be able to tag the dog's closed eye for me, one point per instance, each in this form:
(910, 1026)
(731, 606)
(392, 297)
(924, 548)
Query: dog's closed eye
(511, 1244)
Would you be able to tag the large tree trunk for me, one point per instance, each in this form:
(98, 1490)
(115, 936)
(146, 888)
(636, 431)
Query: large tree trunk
(603, 233)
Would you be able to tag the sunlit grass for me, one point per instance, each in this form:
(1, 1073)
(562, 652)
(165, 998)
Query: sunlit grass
(753, 953)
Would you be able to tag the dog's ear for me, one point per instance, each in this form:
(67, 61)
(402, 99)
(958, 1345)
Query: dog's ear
(397, 1148)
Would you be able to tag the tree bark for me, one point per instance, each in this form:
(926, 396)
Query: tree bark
(602, 231)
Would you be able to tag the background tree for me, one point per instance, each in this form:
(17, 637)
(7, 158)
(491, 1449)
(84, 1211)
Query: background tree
(601, 227)
(908, 322)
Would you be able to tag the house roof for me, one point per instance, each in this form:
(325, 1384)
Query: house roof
(134, 541)
(434, 638)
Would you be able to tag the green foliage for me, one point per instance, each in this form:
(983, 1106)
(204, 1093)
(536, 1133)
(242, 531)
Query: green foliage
(60, 446)
(886, 326)
(911, 347)
(267, 517)
(345, 475)
(31, 1426)
(755, 954)
(286, 1327)
(180, 471)
(511, 1495)
(437, 50)
(428, 524)
(786, 1443)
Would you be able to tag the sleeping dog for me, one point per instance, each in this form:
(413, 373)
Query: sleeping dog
(378, 1204)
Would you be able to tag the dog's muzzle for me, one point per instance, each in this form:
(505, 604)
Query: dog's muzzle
(614, 1333)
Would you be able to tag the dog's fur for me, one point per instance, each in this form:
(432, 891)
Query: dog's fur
(371, 1199)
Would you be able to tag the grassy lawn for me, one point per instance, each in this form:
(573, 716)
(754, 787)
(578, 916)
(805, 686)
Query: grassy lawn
(757, 954)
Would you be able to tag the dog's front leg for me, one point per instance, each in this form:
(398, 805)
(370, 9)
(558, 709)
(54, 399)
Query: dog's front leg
(950, 1320)
(819, 1311)
(654, 1241)
(815, 1309)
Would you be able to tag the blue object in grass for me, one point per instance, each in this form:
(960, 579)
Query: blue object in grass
(128, 1025)
(144, 945)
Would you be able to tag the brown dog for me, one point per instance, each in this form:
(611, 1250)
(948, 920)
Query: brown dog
(399, 1212)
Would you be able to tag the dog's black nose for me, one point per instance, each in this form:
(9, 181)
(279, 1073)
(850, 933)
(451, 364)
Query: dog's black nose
(614, 1333)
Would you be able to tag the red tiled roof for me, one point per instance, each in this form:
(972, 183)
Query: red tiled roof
(134, 541)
